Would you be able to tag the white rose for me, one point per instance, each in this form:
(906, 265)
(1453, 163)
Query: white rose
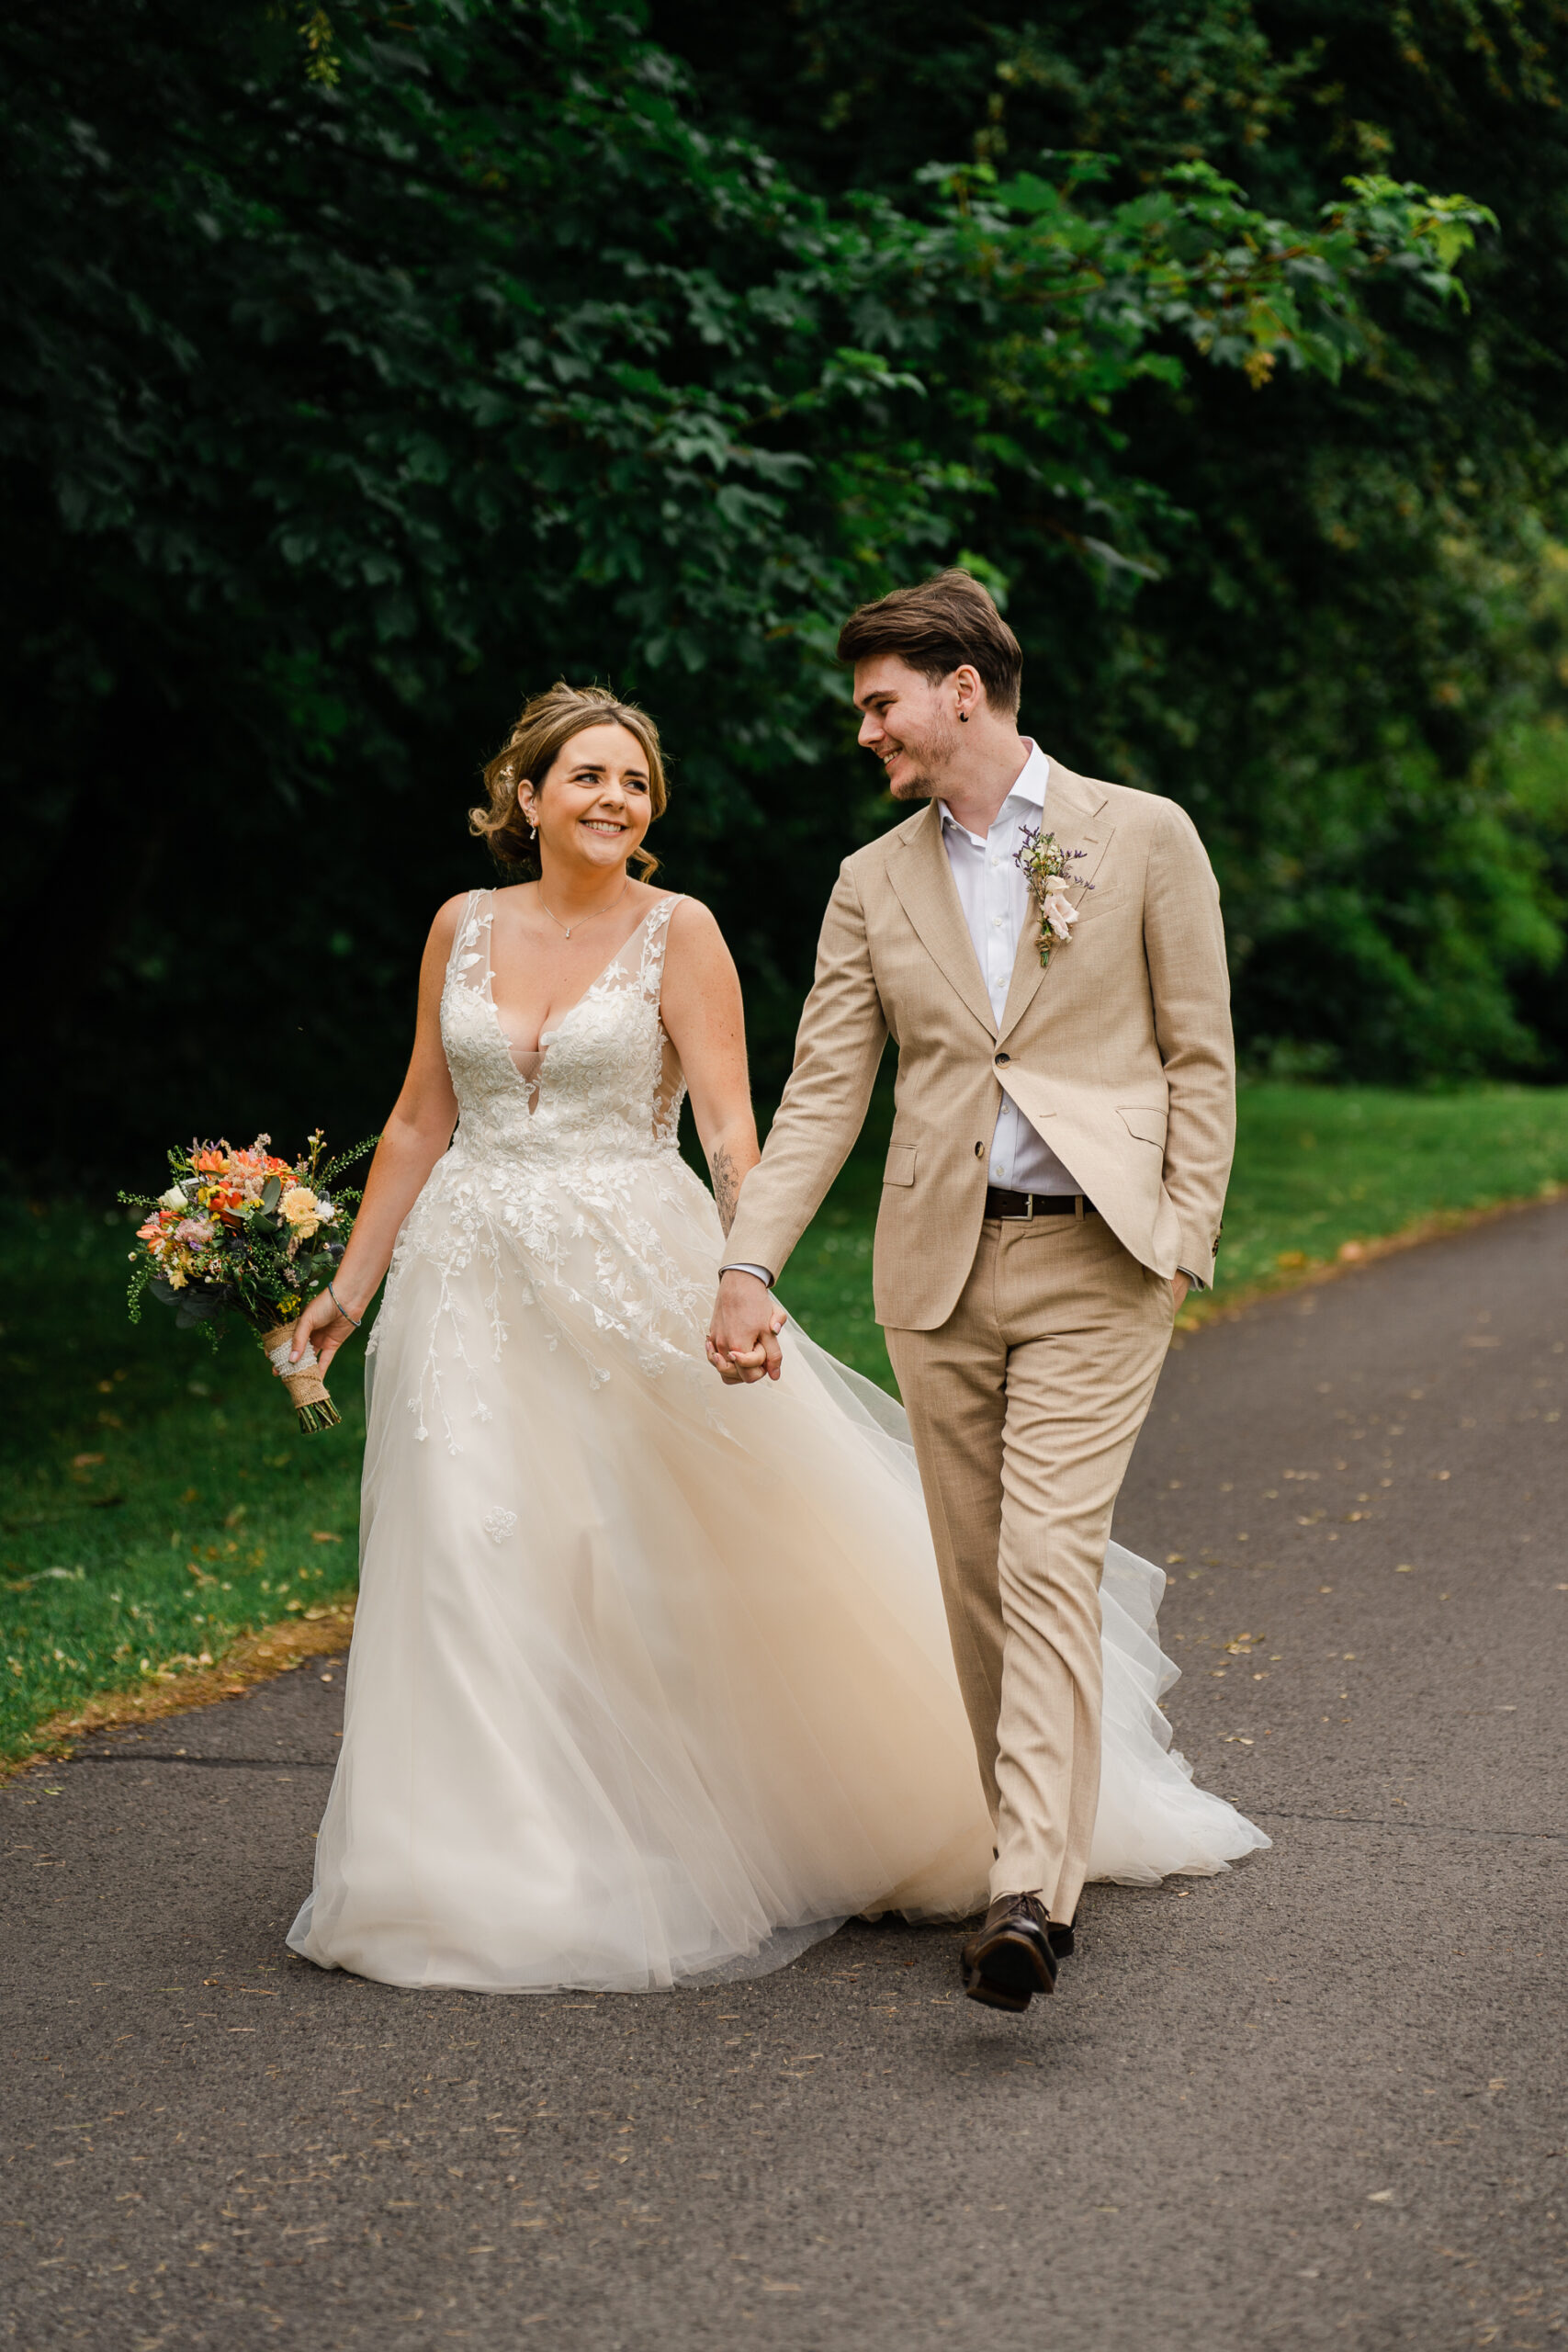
(1060, 913)
(173, 1199)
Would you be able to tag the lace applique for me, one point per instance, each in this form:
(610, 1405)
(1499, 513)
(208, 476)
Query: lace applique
(499, 1525)
(547, 1177)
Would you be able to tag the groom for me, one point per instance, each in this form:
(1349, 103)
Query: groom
(1061, 1144)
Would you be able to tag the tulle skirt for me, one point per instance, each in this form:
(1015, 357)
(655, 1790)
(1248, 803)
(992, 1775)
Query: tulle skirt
(650, 1679)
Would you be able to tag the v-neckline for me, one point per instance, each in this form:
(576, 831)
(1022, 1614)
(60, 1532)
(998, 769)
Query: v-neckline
(542, 1048)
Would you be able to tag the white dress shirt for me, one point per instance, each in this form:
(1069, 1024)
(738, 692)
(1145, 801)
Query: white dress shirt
(999, 909)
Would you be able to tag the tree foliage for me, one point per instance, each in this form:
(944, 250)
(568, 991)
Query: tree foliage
(363, 371)
(1349, 662)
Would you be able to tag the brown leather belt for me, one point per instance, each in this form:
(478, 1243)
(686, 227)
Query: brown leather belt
(1032, 1204)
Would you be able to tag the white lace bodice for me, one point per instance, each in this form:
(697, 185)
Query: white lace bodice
(608, 1084)
(562, 1178)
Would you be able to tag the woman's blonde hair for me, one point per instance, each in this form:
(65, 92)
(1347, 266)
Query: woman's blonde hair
(549, 723)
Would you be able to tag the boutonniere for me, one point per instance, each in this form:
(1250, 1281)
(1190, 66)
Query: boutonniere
(1046, 866)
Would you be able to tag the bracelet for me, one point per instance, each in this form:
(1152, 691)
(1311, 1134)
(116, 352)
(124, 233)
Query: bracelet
(355, 1319)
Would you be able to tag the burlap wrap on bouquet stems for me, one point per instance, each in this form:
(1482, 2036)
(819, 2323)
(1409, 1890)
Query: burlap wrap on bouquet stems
(307, 1389)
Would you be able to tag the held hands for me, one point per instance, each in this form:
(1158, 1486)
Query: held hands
(742, 1342)
(321, 1326)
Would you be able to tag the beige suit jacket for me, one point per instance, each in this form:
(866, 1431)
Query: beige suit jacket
(1119, 1052)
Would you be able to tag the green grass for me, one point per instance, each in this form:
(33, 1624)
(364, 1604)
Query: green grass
(1318, 1166)
(155, 1499)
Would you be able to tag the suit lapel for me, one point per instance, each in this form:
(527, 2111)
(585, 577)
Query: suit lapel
(922, 879)
(1072, 806)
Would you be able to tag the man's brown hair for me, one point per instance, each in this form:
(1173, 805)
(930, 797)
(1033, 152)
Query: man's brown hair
(946, 621)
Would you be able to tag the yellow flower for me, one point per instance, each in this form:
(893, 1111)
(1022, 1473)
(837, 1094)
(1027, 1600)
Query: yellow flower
(173, 1277)
(298, 1208)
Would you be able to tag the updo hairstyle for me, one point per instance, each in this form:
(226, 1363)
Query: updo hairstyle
(549, 723)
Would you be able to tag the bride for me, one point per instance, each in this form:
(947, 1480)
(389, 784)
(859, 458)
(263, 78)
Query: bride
(650, 1679)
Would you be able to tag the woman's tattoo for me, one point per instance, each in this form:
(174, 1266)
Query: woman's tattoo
(725, 1186)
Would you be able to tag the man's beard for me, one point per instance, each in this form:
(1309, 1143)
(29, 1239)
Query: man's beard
(933, 757)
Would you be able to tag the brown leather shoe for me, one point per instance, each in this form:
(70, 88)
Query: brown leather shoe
(1010, 1959)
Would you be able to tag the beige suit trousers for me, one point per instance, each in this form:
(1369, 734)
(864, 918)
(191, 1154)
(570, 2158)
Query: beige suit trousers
(1025, 1407)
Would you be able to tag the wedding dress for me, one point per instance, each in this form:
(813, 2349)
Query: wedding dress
(650, 1677)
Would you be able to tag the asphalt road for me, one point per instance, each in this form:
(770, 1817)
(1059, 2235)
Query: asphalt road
(1319, 2101)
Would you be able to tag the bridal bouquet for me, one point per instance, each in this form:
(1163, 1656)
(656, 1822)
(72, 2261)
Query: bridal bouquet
(245, 1233)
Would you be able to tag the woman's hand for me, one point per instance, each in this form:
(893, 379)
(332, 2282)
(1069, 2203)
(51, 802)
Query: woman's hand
(322, 1326)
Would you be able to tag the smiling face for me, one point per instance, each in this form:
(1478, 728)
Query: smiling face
(592, 808)
(910, 723)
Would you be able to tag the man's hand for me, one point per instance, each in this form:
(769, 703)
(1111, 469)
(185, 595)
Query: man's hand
(743, 1343)
(1180, 1286)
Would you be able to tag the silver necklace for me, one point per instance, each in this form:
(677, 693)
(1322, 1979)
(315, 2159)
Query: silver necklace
(569, 927)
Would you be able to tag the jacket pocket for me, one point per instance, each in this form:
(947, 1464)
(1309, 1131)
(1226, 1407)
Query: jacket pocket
(900, 1168)
(1146, 1125)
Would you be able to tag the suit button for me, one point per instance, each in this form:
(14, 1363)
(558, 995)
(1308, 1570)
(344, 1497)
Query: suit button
(1003, 1057)
(979, 1151)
